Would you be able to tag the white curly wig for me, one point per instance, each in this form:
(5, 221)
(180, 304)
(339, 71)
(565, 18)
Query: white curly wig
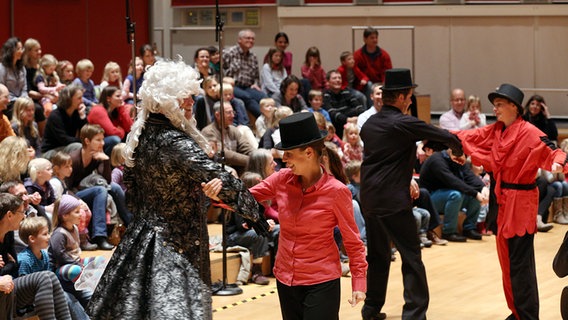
(165, 86)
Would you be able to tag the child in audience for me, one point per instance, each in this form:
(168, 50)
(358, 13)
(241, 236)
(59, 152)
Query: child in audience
(84, 70)
(214, 59)
(47, 82)
(472, 118)
(273, 72)
(64, 249)
(353, 147)
(34, 232)
(117, 161)
(40, 171)
(111, 76)
(241, 115)
(203, 108)
(24, 125)
(64, 70)
(62, 168)
(332, 137)
(128, 86)
(263, 122)
(316, 102)
(312, 70)
(353, 79)
(353, 173)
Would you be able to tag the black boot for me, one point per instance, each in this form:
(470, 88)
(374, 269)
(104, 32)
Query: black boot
(85, 244)
(102, 243)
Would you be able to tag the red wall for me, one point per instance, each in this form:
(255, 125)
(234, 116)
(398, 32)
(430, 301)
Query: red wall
(77, 29)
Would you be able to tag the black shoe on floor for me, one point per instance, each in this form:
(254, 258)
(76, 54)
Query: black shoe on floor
(370, 313)
(103, 244)
(454, 237)
(472, 234)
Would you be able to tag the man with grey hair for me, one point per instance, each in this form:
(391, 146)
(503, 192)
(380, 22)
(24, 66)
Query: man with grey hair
(5, 127)
(237, 147)
(450, 120)
(240, 63)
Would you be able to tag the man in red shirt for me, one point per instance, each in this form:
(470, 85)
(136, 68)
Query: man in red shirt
(371, 59)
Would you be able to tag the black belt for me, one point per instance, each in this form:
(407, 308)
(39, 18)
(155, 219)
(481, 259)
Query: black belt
(518, 186)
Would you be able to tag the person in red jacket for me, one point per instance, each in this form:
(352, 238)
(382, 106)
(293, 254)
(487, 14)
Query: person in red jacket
(513, 150)
(113, 116)
(353, 79)
(371, 59)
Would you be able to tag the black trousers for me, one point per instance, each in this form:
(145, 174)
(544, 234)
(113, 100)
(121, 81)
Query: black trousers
(401, 228)
(314, 302)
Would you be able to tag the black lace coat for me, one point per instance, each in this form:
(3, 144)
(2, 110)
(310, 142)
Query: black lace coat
(161, 268)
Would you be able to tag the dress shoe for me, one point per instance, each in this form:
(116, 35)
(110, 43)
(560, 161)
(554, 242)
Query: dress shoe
(432, 236)
(370, 313)
(260, 279)
(454, 237)
(541, 226)
(103, 244)
(472, 234)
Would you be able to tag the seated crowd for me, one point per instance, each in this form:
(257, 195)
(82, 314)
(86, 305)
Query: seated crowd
(61, 142)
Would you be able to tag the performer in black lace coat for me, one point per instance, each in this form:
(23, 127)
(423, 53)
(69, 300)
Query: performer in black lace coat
(161, 268)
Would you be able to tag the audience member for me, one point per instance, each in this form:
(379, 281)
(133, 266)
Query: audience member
(353, 79)
(31, 59)
(264, 121)
(377, 99)
(113, 116)
(272, 135)
(352, 147)
(84, 70)
(129, 82)
(273, 71)
(536, 112)
(315, 98)
(560, 267)
(241, 117)
(282, 42)
(289, 96)
(342, 106)
(117, 160)
(112, 76)
(372, 60)
(64, 70)
(148, 56)
(24, 125)
(453, 188)
(5, 129)
(40, 289)
(15, 157)
(214, 60)
(47, 83)
(472, 118)
(313, 71)
(242, 65)
(450, 120)
(237, 147)
(201, 63)
(203, 109)
(90, 159)
(40, 172)
(547, 195)
(65, 122)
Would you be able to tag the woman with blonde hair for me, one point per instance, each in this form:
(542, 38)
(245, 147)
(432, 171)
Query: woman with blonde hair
(15, 157)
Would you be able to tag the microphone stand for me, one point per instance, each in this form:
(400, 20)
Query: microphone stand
(225, 288)
(130, 33)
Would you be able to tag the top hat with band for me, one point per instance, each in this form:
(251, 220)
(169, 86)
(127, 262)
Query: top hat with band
(299, 130)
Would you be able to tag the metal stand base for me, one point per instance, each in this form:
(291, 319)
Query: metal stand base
(227, 290)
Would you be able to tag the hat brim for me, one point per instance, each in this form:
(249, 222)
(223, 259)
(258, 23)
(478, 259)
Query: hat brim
(279, 144)
(494, 95)
(398, 88)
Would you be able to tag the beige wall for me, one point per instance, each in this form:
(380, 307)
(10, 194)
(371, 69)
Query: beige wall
(473, 47)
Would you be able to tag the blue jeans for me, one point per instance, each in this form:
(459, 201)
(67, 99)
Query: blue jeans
(560, 188)
(120, 201)
(110, 142)
(250, 97)
(96, 199)
(450, 202)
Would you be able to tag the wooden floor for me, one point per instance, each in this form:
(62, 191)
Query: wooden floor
(464, 281)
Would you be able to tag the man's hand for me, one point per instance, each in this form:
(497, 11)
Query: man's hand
(457, 159)
(414, 189)
(357, 297)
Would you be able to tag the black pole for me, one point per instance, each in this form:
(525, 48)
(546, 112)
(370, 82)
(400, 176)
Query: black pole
(225, 288)
(130, 33)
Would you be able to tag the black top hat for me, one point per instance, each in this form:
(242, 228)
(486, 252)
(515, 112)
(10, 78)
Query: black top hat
(511, 93)
(398, 79)
(299, 130)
